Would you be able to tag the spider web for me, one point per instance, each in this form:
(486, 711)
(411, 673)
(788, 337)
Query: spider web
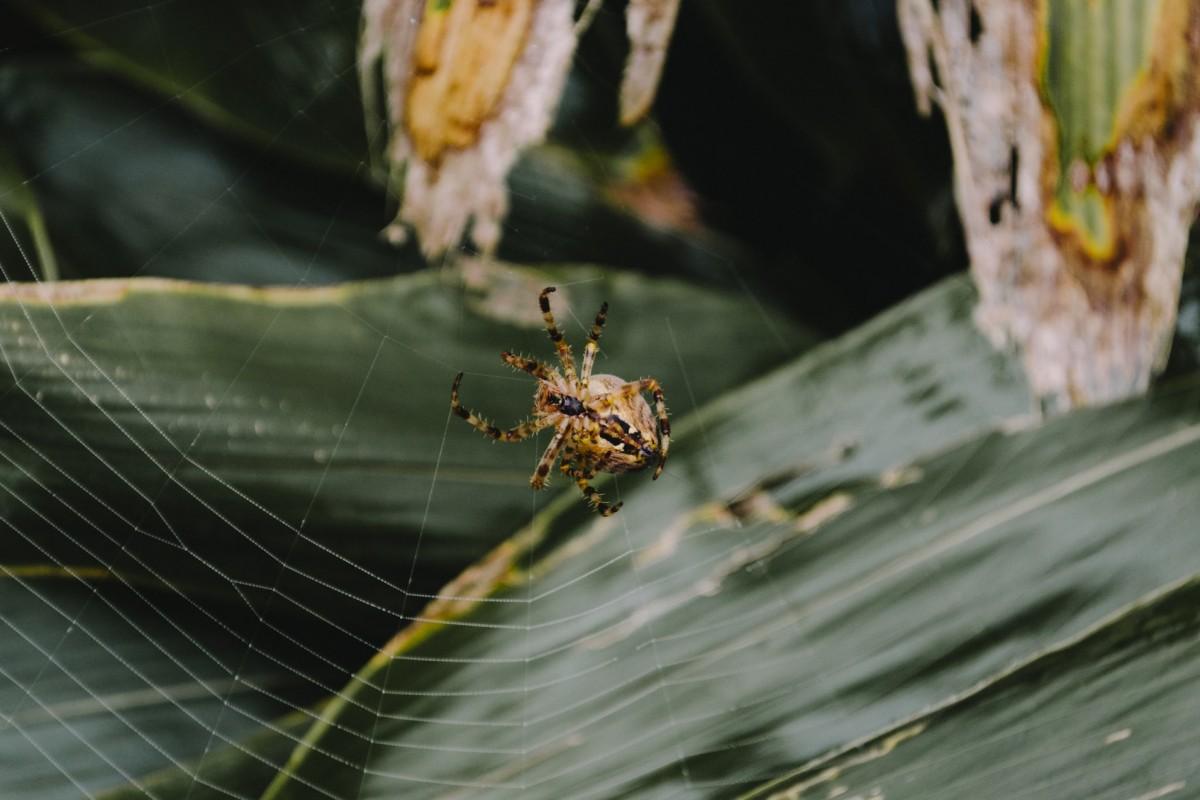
(124, 660)
(202, 563)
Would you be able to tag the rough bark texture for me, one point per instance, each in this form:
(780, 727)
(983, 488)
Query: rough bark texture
(1092, 313)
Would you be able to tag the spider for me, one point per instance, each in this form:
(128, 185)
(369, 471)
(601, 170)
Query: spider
(601, 422)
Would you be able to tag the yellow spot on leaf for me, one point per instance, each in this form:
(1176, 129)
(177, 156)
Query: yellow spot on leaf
(823, 511)
(56, 571)
(885, 747)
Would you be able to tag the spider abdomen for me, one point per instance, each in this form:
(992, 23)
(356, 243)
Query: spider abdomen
(622, 434)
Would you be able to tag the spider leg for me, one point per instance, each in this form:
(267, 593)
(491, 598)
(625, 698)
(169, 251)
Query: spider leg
(593, 496)
(538, 480)
(564, 349)
(535, 368)
(522, 431)
(593, 345)
(634, 388)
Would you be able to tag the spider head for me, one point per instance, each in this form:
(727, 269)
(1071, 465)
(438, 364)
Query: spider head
(571, 406)
(564, 404)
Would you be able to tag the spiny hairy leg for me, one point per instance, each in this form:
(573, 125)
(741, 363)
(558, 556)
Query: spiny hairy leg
(522, 431)
(538, 481)
(560, 344)
(534, 367)
(593, 496)
(593, 344)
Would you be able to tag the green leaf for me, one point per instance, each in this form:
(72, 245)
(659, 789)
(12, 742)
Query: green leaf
(286, 473)
(793, 599)
(828, 426)
(99, 675)
(248, 764)
(1094, 73)
(1110, 713)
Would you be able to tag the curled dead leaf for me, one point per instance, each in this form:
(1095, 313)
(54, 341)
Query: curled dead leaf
(468, 85)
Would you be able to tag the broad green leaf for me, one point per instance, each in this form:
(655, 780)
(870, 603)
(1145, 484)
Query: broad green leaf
(249, 764)
(100, 675)
(1109, 714)
(837, 420)
(285, 458)
(235, 416)
(775, 602)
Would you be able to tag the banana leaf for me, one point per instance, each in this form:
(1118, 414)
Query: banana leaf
(103, 677)
(282, 463)
(1108, 713)
(576, 600)
(779, 604)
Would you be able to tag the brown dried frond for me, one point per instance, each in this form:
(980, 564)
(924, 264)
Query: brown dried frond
(467, 86)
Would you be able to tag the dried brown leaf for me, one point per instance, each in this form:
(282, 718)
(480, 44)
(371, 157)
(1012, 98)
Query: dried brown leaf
(467, 86)
(1093, 318)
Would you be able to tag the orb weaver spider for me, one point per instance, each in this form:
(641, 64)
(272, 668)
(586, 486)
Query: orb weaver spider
(601, 422)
